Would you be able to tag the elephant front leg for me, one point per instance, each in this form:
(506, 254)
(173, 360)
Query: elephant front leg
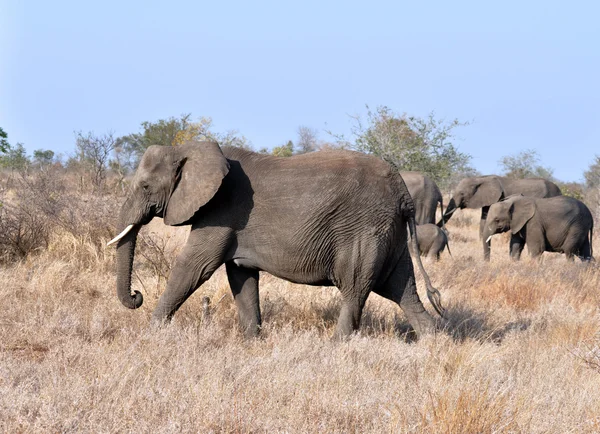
(517, 243)
(486, 244)
(187, 275)
(244, 286)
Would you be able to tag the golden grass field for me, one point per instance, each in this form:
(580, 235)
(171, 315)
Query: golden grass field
(519, 352)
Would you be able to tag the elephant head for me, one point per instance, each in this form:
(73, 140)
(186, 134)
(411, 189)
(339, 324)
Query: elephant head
(509, 215)
(172, 182)
(473, 193)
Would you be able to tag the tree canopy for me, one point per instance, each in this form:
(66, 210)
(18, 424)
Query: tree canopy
(410, 142)
(172, 131)
(4, 146)
(525, 164)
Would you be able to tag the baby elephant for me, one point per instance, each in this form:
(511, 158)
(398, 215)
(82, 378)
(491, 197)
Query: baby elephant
(431, 240)
(556, 224)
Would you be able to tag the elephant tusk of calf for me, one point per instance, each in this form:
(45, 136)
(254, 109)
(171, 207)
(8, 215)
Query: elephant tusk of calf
(121, 235)
(488, 239)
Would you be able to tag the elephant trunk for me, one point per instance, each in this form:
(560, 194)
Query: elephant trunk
(125, 254)
(133, 216)
(448, 213)
(486, 234)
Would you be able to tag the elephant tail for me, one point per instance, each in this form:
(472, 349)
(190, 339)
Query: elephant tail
(591, 240)
(433, 294)
(448, 245)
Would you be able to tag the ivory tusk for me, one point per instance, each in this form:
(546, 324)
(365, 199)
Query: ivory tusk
(121, 235)
(488, 239)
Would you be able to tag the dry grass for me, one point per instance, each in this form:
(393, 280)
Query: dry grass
(520, 350)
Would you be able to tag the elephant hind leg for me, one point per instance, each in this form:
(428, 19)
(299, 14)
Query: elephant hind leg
(584, 251)
(349, 318)
(402, 289)
(244, 286)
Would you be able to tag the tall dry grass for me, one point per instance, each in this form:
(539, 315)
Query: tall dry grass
(519, 351)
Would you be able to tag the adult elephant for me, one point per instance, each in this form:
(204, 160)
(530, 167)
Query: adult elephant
(426, 196)
(483, 191)
(327, 218)
(556, 224)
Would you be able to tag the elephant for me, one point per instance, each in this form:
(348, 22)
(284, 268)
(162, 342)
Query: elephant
(329, 218)
(483, 191)
(425, 194)
(432, 240)
(555, 224)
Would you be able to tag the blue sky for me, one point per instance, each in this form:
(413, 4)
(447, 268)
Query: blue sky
(527, 74)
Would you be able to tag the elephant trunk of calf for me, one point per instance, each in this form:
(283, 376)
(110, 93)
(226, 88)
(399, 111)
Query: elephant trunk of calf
(487, 234)
(125, 254)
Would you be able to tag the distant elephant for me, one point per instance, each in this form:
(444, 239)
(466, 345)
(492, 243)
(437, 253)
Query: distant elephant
(556, 224)
(330, 218)
(432, 240)
(483, 191)
(425, 194)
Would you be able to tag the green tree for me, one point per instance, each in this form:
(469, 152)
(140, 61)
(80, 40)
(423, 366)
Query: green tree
(172, 132)
(15, 158)
(43, 158)
(4, 145)
(410, 142)
(286, 150)
(525, 164)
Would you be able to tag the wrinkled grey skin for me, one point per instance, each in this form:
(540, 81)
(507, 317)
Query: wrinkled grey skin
(326, 218)
(557, 224)
(426, 196)
(483, 191)
(432, 240)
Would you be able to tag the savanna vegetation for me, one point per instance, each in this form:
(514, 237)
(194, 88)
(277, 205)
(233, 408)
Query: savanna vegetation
(519, 350)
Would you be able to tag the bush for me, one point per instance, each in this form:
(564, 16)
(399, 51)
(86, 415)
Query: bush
(42, 203)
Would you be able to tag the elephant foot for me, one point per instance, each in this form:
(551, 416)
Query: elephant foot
(422, 322)
(159, 321)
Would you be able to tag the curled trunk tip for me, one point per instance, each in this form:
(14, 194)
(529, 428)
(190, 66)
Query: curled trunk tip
(132, 301)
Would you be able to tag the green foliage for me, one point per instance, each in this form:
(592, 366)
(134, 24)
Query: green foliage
(286, 150)
(43, 158)
(172, 132)
(525, 164)
(15, 158)
(410, 143)
(572, 189)
(4, 145)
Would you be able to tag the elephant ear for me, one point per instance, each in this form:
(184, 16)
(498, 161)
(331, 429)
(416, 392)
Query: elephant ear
(198, 171)
(489, 191)
(521, 212)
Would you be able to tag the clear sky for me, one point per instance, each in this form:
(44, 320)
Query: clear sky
(526, 73)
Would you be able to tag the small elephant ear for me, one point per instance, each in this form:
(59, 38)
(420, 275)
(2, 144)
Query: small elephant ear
(521, 210)
(489, 191)
(198, 171)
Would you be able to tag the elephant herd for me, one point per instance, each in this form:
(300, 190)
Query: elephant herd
(533, 210)
(330, 218)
